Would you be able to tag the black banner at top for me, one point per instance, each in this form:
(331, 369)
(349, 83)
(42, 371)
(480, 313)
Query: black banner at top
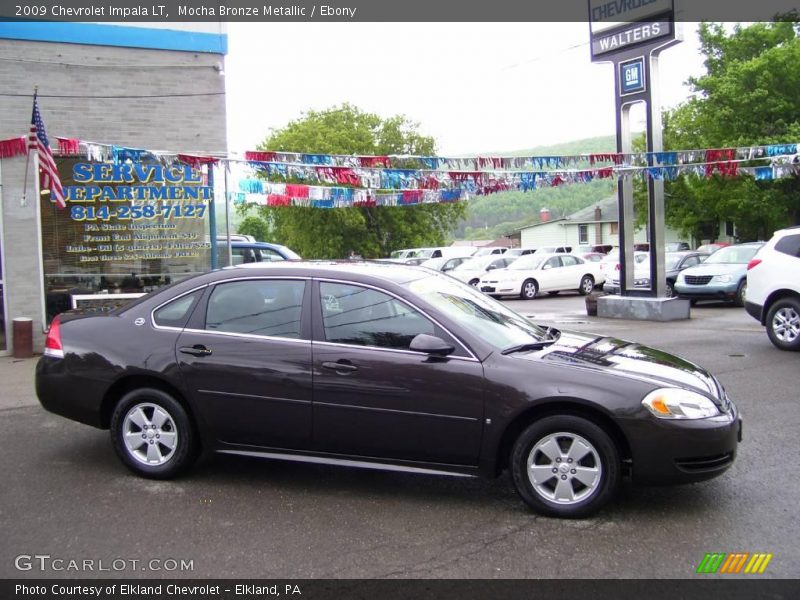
(377, 10)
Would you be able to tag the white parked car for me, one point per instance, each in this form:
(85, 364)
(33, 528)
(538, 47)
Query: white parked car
(772, 295)
(470, 271)
(530, 275)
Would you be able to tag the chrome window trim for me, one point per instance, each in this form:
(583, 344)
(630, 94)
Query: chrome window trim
(395, 350)
(404, 301)
(251, 336)
(230, 333)
(155, 325)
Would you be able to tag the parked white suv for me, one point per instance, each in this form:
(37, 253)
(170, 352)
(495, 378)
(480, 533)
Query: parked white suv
(773, 288)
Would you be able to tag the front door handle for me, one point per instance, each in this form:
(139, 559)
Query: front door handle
(339, 366)
(196, 350)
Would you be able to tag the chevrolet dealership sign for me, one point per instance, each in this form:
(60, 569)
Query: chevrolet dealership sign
(618, 25)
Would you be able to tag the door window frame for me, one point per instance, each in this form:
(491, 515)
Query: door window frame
(462, 351)
(4, 351)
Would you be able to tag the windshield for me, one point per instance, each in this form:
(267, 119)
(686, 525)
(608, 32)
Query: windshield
(475, 264)
(529, 261)
(737, 255)
(486, 318)
(434, 263)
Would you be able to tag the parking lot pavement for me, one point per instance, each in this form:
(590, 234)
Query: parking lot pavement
(65, 494)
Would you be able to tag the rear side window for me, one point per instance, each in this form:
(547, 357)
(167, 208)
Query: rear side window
(789, 245)
(176, 313)
(268, 307)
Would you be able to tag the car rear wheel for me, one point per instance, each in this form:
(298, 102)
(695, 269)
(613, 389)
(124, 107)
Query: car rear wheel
(565, 466)
(740, 293)
(783, 324)
(669, 291)
(152, 434)
(586, 286)
(530, 289)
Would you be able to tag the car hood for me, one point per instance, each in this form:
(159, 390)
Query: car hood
(715, 269)
(629, 359)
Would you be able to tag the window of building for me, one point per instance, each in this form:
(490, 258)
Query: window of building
(614, 228)
(125, 232)
(366, 317)
(583, 234)
(269, 307)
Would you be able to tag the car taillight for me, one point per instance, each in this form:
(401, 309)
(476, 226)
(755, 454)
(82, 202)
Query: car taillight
(52, 344)
(616, 267)
(753, 263)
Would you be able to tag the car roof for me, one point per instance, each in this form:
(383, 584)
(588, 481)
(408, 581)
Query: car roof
(396, 272)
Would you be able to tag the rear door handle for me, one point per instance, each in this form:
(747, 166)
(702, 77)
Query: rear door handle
(196, 350)
(339, 366)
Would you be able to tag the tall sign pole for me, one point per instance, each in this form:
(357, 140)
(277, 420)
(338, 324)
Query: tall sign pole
(631, 34)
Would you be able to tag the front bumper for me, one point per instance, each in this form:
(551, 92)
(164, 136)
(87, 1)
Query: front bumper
(687, 451)
(709, 291)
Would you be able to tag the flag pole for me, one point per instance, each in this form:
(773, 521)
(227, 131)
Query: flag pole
(24, 200)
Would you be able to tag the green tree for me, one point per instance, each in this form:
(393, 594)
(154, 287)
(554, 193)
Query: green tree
(256, 227)
(748, 96)
(369, 231)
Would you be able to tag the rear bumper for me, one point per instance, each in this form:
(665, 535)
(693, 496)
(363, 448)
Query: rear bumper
(755, 310)
(63, 393)
(688, 451)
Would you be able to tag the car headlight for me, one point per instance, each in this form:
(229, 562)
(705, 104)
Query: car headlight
(675, 403)
(722, 279)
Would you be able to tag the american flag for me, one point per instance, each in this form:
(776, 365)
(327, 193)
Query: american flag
(48, 173)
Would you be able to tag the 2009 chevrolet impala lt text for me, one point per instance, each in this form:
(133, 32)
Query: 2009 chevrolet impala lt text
(383, 366)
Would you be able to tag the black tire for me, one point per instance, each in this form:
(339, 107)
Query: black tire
(669, 289)
(586, 285)
(740, 293)
(530, 289)
(474, 282)
(167, 462)
(603, 457)
(782, 324)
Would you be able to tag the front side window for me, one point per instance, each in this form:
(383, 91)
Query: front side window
(365, 317)
(269, 307)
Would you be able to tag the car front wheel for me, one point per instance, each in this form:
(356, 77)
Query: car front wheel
(783, 324)
(529, 290)
(741, 291)
(152, 435)
(565, 466)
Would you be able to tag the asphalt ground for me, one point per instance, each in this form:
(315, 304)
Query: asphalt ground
(64, 493)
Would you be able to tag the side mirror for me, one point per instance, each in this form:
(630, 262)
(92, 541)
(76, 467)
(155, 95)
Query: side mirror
(430, 344)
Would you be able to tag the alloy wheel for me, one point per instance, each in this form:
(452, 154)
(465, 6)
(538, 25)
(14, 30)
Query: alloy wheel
(564, 468)
(150, 434)
(786, 324)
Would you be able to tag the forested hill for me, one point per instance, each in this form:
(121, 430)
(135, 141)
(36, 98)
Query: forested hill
(489, 217)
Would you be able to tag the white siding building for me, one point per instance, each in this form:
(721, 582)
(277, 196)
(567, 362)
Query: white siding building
(593, 225)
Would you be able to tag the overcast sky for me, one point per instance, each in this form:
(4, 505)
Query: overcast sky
(475, 87)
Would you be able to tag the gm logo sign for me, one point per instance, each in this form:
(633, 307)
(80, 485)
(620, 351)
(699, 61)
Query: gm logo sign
(736, 562)
(631, 76)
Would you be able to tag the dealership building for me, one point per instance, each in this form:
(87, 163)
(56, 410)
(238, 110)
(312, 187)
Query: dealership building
(125, 107)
